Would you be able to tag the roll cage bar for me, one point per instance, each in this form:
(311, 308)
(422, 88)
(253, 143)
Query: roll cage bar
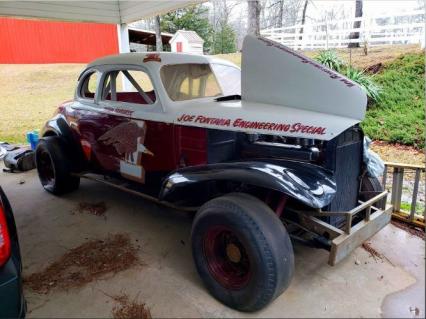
(112, 86)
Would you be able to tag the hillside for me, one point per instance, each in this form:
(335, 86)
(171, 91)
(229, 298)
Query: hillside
(357, 57)
(399, 117)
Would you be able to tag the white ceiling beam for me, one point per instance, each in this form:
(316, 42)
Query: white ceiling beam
(115, 12)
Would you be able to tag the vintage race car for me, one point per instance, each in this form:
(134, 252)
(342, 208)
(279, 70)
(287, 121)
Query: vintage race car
(263, 155)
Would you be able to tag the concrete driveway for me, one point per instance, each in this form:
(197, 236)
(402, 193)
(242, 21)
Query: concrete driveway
(48, 226)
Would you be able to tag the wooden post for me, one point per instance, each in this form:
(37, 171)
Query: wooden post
(398, 177)
(414, 198)
(158, 37)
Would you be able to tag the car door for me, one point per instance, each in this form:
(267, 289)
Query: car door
(127, 140)
(90, 121)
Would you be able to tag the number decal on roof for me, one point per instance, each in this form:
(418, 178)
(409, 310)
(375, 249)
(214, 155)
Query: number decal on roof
(155, 57)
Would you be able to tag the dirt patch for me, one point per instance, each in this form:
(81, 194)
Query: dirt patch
(398, 153)
(97, 209)
(375, 68)
(85, 263)
(127, 308)
(415, 231)
(130, 309)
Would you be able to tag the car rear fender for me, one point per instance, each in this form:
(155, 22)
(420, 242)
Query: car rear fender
(59, 126)
(310, 184)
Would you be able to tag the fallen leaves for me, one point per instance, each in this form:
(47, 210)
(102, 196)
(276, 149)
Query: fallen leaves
(127, 308)
(372, 251)
(85, 263)
(398, 153)
(415, 231)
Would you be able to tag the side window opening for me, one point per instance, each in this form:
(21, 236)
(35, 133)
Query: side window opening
(189, 81)
(88, 88)
(229, 78)
(128, 86)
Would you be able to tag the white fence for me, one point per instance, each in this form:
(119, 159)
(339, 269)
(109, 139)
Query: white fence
(404, 28)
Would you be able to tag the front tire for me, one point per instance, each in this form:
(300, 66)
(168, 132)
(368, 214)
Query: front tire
(370, 187)
(54, 167)
(242, 251)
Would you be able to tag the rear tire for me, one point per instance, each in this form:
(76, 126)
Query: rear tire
(54, 167)
(242, 251)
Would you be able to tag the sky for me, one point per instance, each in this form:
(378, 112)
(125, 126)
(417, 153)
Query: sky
(316, 8)
(370, 7)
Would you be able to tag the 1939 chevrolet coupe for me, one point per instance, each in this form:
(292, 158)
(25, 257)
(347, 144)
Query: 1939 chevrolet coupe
(265, 155)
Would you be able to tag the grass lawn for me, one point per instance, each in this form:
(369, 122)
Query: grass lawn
(30, 95)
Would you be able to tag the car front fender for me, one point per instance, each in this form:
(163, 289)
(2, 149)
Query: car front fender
(310, 184)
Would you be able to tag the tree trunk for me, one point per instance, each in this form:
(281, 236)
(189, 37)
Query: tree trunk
(253, 18)
(158, 39)
(280, 14)
(305, 6)
(357, 24)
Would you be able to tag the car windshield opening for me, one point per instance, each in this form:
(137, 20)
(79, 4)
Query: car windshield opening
(189, 81)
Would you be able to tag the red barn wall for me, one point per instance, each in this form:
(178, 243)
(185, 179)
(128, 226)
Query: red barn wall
(37, 41)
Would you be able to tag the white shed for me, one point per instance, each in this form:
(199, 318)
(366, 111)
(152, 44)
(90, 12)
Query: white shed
(187, 42)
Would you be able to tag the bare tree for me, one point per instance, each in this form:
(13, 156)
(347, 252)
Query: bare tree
(305, 6)
(280, 13)
(239, 24)
(158, 39)
(253, 17)
(357, 24)
(291, 12)
(221, 13)
(271, 13)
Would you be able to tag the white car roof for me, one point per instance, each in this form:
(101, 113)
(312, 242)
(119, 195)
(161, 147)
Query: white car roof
(166, 58)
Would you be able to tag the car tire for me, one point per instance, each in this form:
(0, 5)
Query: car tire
(371, 187)
(242, 251)
(54, 167)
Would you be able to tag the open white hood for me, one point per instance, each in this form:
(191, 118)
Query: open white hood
(283, 93)
(275, 74)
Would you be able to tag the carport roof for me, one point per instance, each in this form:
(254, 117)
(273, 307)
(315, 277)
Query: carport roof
(117, 11)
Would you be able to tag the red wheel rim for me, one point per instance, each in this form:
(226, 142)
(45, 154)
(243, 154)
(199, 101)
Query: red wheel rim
(226, 257)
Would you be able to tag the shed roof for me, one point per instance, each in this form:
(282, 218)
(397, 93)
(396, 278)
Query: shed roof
(142, 36)
(191, 36)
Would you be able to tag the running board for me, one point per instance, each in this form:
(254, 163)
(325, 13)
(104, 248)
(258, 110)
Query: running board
(128, 187)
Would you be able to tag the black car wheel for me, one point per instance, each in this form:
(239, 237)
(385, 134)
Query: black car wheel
(242, 251)
(370, 187)
(54, 166)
